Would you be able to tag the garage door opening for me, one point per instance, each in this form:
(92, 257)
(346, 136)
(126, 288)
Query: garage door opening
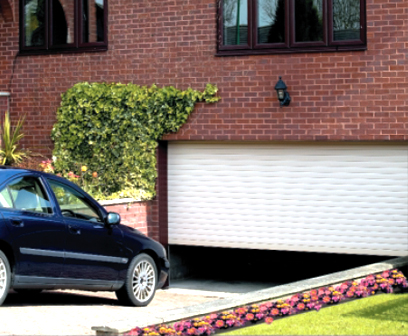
(258, 266)
(347, 199)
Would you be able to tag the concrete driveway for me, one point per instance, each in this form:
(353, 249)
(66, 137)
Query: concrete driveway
(75, 312)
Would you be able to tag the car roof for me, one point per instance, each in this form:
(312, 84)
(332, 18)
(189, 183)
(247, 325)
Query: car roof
(9, 171)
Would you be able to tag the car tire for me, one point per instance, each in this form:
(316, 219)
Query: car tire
(5, 277)
(140, 284)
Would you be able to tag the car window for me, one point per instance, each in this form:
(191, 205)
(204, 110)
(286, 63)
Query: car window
(72, 203)
(25, 193)
(5, 199)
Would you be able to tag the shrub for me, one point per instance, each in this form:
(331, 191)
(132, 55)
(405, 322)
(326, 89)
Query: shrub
(113, 130)
(10, 153)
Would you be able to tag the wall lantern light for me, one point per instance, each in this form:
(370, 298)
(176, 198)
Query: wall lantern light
(283, 95)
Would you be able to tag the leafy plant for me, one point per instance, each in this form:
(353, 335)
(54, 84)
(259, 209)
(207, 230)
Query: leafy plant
(10, 136)
(113, 130)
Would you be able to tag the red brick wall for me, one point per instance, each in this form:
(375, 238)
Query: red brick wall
(136, 215)
(360, 95)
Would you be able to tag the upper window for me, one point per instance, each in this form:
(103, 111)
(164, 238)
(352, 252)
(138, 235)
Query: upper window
(278, 26)
(63, 25)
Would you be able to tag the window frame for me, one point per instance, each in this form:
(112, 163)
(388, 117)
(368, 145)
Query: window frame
(290, 45)
(77, 46)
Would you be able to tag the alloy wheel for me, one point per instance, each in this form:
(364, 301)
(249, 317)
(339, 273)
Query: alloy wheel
(143, 281)
(3, 277)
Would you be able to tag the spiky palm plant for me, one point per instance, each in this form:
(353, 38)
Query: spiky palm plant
(10, 137)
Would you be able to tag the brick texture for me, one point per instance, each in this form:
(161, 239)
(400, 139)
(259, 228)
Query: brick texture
(136, 215)
(336, 96)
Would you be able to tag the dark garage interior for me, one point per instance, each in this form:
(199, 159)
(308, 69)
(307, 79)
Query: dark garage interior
(230, 264)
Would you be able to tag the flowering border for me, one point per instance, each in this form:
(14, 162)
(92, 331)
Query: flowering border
(267, 312)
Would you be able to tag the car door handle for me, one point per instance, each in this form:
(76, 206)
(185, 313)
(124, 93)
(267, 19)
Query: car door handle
(17, 222)
(74, 229)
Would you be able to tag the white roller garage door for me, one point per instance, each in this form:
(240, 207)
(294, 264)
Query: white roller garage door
(324, 198)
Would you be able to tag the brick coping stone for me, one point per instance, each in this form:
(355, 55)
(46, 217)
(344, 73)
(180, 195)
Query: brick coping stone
(123, 326)
(119, 201)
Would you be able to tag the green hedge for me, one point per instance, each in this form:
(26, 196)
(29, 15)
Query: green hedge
(113, 130)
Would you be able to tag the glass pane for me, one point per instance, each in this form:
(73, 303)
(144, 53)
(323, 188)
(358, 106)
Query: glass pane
(72, 203)
(92, 21)
(346, 20)
(28, 195)
(271, 21)
(5, 199)
(63, 22)
(235, 21)
(34, 23)
(309, 20)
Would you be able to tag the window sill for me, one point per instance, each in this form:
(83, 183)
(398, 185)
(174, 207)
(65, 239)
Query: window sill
(29, 52)
(246, 52)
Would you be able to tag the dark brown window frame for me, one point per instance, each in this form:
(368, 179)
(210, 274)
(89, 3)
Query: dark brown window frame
(77, 47)
(290, 46)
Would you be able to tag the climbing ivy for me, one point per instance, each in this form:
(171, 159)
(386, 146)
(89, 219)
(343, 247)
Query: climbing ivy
(113, 130)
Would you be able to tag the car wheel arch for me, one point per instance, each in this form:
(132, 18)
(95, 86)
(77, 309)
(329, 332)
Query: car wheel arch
(8, 251)
(153, 255)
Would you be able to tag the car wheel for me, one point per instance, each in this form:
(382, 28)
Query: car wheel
(140, 284)
(5, 277)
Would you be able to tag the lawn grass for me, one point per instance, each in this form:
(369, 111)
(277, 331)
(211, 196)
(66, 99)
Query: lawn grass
(385, 314)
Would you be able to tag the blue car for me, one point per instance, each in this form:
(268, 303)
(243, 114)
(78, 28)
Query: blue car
(53, 235)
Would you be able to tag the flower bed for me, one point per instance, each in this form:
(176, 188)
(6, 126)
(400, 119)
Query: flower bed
(267, 312)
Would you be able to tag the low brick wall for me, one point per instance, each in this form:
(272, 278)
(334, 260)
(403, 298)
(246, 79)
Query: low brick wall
(135, 214)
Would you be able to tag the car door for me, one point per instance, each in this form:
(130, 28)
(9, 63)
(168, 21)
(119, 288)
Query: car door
(93, 251)
(36, 232)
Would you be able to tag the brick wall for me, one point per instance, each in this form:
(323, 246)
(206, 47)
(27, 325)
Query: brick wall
(134, 214)
(336, 96)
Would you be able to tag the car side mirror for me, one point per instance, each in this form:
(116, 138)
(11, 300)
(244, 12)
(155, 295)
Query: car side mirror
(112, 218)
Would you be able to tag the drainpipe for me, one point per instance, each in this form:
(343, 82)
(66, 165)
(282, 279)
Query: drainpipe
(7, 95)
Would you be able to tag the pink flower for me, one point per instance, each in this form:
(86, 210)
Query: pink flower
(275, 311)
(336, 298)
(300, 306)
(350, 294)
(326, 299)
(263, 308)
(385, 274)
(219, 323)
(230, 323)
(268, 320)
(249, 317)
(259, 316)
(311, 305)
(285, 311)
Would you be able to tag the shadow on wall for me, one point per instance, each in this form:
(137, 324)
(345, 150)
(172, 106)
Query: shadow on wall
(258, 265)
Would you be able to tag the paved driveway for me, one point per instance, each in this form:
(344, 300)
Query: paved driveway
(75, 312)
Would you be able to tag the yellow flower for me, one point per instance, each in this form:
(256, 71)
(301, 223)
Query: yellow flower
(84, 168)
